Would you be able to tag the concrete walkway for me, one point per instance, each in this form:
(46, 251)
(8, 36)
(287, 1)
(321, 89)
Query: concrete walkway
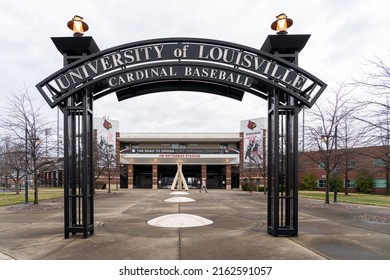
(336, 231)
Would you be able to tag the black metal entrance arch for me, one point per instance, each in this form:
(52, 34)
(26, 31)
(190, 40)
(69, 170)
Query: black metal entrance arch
(192, 64)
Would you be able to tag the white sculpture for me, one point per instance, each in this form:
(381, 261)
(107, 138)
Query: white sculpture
(179, 180)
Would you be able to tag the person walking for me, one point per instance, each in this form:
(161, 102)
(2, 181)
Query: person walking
(203, 186)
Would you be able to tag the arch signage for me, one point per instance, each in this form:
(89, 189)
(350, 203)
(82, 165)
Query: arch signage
(181, 64)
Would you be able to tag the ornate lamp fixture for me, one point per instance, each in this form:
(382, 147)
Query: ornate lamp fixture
(78, 26)
(281, 24)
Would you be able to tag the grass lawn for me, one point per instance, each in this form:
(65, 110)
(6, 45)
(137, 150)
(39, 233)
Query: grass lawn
(9, 198)
(369, 199)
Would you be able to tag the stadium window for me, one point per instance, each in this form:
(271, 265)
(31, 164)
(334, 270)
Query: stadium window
(223, 146)
(182, 146)
(379, 162)
(380, 183)
(351, 183)
(321, 183)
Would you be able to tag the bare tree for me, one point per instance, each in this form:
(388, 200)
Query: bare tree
(4, 166)
(351, 131)
(328, 131)
(25, 124)
(377, 120)
(12, 162)
(99, 164)
(105, 162)
(377, 79)
(351, 135)
(110, 161)
(249, 171)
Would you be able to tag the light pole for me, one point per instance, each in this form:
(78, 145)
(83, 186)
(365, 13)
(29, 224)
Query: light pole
(47, 133)
(58, 148)
(26, 180)
(335, 168)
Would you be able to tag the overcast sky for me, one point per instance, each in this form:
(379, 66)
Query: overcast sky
(343, 34)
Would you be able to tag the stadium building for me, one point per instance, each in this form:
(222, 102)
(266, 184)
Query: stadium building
(149, 160)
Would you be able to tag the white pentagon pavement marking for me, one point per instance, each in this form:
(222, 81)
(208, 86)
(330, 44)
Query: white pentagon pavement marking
(179, 199)
(179, 221)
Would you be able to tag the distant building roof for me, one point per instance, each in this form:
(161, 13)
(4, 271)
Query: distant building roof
(179, 136)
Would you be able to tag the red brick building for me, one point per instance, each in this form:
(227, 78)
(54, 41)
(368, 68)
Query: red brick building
(373, 160)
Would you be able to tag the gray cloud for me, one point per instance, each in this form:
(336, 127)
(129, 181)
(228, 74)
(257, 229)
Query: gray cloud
(340, 38)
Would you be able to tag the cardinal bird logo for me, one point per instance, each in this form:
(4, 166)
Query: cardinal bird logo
(251, 125)
(107, 125)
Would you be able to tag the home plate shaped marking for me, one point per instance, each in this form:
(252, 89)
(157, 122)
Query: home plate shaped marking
(179, 221)
(179, 199)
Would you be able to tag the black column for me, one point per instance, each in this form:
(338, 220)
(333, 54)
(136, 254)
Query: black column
(78, 144)
(282, 216)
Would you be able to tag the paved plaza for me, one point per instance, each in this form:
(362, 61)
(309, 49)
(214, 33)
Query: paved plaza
(238, 232)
